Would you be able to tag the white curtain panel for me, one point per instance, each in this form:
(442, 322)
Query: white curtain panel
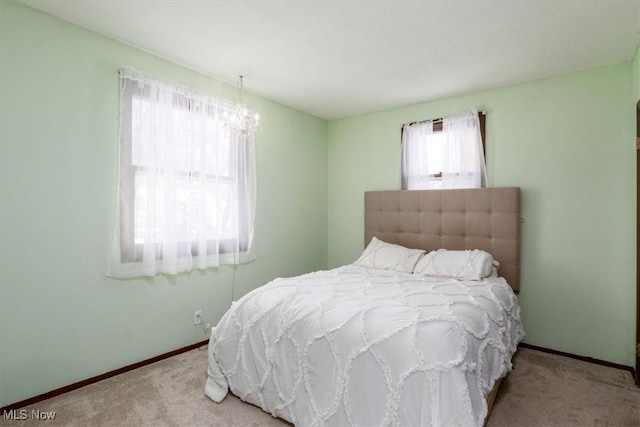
(449, 158)
(186, 190)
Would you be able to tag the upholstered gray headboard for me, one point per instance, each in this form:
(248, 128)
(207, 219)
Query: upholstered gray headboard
(482, 218)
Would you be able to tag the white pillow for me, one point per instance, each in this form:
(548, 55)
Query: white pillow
(387, 256)
(494, 269)
(461, 265)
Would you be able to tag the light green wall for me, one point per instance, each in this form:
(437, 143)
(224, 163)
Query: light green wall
(61, 319)
(635, 76)
(568, 143)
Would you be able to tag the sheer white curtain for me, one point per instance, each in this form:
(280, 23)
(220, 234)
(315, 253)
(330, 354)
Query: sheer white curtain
(448, 158)
(186, 190)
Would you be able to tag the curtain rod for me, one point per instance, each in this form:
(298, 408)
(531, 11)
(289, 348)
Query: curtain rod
(438, 120)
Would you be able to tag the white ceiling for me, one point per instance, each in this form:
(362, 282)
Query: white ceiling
(335, 59)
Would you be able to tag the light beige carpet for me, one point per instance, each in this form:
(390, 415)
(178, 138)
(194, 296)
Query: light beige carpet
(549, 390)
(542, 390)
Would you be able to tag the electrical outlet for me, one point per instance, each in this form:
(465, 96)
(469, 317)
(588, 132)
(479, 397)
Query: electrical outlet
(197, 317)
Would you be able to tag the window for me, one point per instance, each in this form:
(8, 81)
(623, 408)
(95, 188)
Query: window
(186, 181)
(444, 153)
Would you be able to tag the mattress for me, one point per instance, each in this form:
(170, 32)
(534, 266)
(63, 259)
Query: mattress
(355, 346)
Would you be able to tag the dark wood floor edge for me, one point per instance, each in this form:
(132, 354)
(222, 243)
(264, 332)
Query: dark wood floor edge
(93, 380)
(578, 357)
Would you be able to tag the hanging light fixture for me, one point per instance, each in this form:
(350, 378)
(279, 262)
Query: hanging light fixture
(242, 120)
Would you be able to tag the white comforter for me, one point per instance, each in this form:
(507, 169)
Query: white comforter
(357, 346)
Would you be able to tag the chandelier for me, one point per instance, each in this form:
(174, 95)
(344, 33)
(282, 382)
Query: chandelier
(242, 120)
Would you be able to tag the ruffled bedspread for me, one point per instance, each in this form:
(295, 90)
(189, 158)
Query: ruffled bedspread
(362, 347)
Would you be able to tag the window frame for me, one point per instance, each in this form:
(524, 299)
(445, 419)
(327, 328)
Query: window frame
(438, 127)
(130, 251)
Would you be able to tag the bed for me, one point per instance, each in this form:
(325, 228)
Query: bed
(396, 338)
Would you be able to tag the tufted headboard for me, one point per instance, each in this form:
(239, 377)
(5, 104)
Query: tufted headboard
(478, 218)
